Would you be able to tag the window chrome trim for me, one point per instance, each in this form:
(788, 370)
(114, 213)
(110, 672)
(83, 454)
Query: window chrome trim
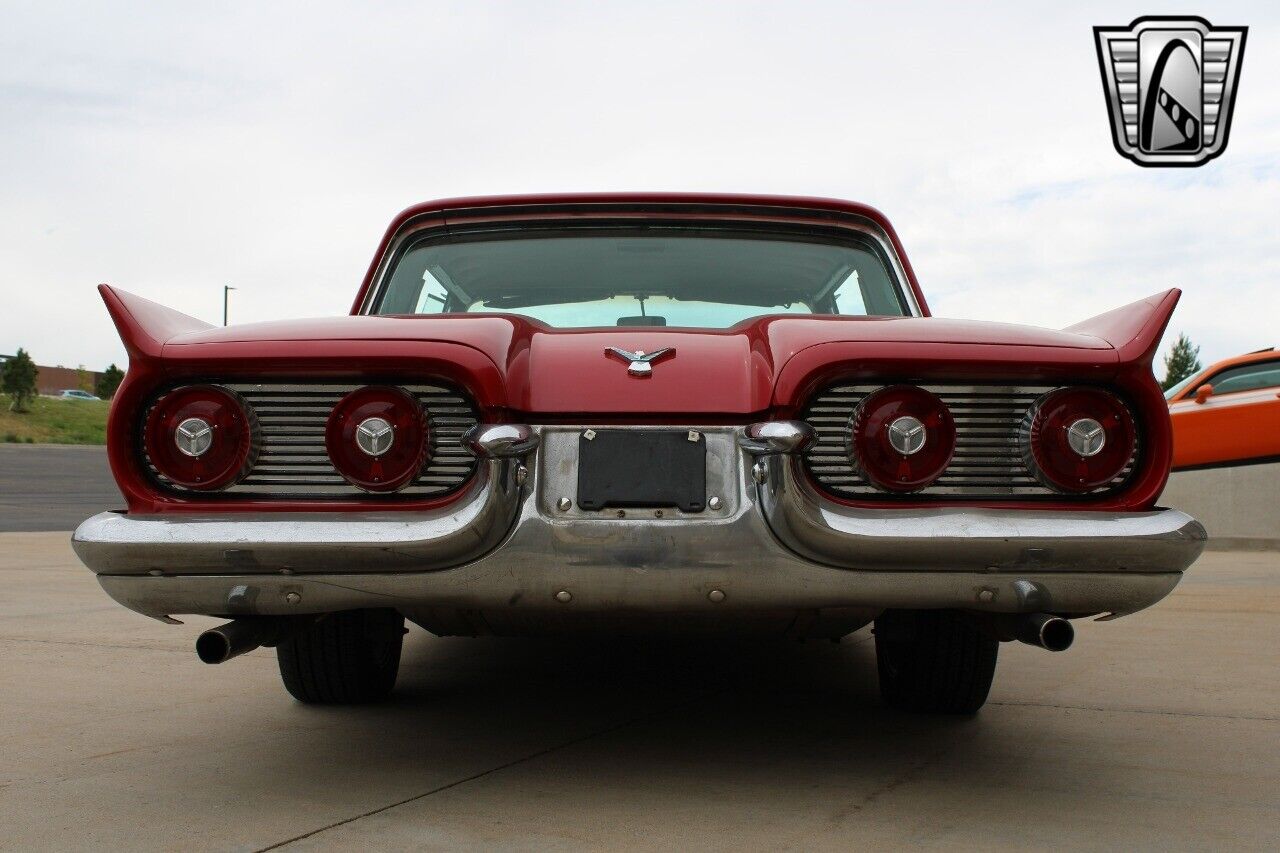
(453, 223)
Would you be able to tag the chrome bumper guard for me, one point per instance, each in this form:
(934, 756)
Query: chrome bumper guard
(770, 541)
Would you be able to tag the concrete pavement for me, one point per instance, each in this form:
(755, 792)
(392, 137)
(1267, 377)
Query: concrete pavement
(53, 486)
(1160, 730)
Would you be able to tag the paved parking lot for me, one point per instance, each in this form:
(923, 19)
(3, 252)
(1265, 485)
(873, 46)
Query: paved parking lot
(1160, 730)
(53, 487)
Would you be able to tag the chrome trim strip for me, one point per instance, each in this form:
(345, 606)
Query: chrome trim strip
(771, 437)
(500, 441)
(946, 539)
(684, 589)
(458, 225)
(316, 542)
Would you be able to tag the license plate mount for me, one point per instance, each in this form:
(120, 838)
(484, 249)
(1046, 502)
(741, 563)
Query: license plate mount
(642, 468)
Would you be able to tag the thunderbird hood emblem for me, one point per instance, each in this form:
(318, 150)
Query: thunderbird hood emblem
(640, 363)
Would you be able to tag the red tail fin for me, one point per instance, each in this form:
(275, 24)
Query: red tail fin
(145, 326)
(1134, 330)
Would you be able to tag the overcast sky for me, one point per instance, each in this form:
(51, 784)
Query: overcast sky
(172, 148)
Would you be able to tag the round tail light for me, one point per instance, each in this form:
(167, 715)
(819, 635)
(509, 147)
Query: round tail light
(903, 438)
(376, 438)
(1077, 439)
(201, 437)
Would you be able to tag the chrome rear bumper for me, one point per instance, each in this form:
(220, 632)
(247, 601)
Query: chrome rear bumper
(772, 543)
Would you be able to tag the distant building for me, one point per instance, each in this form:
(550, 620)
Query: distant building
(52, 381)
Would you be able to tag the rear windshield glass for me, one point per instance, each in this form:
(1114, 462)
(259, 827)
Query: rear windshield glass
(641, 277)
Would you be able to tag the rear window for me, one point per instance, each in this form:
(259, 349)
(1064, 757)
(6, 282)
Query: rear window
(641, 277)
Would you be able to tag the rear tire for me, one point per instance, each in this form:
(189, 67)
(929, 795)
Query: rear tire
(933, 661)
(345, 658)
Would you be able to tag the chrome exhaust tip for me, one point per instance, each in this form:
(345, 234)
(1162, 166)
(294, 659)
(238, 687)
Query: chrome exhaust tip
(221, 644)
(212, 647)
(1045, 631)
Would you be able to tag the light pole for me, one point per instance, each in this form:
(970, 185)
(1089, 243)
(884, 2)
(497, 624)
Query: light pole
(226, 290)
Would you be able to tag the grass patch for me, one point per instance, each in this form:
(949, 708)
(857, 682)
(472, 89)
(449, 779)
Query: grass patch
(54, 421)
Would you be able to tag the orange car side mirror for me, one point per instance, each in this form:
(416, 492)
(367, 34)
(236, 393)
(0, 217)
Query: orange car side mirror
(1204, 392)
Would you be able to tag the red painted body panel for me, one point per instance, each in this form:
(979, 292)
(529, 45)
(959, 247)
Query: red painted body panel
(1135, 329)
(546, 371)
(517, 368)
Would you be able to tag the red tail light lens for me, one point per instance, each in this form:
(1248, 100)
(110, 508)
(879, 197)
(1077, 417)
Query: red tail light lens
(376, 438)
(201, 437)
(1078, 439)
(903, 438)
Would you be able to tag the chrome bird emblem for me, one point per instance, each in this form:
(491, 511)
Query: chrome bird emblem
(907, 435)
(194, 437)
(1086, 437)
(374, 436)
(640, 363)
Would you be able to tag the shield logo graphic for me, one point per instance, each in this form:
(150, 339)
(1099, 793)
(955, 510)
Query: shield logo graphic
(1170, 85)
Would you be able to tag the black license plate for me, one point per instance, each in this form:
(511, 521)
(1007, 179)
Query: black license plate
(642, 468)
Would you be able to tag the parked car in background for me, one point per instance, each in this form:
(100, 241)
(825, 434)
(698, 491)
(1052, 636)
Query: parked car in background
(639, 414)
(76, 394)
(1229, 413)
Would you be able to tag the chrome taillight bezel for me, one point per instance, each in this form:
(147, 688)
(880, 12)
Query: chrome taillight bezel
(1048, 451)
(902, 469)
(400, 463)
(233, 447)
(988, 465)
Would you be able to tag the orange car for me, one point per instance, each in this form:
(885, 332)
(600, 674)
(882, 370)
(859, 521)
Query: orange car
(1228, 414)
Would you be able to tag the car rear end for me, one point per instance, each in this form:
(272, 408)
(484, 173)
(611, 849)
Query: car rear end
(784, 468)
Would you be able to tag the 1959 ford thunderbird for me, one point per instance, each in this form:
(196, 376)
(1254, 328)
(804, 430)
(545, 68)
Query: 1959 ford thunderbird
(632, 414)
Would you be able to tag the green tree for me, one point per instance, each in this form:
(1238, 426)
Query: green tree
(108, 381)
(18, 380)
(1182, 361)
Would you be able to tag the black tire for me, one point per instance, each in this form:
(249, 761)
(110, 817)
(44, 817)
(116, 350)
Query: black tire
(345, 658)
(933, 661)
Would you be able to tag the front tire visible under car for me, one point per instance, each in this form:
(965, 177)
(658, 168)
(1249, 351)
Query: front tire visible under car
(933, 661)
(345, 658)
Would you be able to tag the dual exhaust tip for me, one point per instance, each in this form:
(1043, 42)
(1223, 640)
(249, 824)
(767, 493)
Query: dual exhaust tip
(221, 644)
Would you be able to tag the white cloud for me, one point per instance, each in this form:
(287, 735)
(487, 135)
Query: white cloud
(171, 150)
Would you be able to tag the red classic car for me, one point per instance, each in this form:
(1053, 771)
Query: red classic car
(639, 413)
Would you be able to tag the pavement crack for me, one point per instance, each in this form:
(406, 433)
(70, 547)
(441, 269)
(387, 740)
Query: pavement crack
(912, 771)
(90, 644)
(1150, 711)
(515, 762)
